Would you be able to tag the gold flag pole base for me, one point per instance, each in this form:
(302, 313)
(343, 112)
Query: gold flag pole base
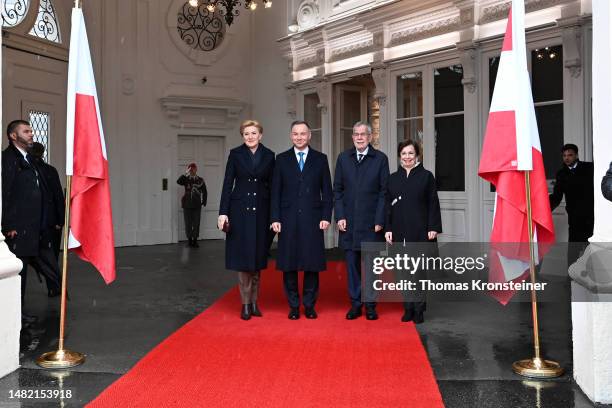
(60, 359)
(537, 368)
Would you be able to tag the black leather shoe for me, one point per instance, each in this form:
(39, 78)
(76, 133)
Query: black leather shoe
(294, 313)
(245, 313)
(408, 315)
(371, 313)
(310, 313)
(418, 318)
(255, 310)
(195, 243)
(354, 313)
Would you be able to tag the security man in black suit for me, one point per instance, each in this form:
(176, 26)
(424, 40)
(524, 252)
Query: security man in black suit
(575, 181)
(23, 212)
(301, 209)
(360, 185)
(54, 208)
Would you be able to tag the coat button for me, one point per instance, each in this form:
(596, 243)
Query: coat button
(255, 180)
(248, 208)
(248, 194)
(253, 208)
(254, 194)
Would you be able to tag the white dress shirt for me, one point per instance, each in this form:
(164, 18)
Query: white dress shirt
(297, 156)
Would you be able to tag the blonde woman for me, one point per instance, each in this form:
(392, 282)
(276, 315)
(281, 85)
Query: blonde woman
(244, 213)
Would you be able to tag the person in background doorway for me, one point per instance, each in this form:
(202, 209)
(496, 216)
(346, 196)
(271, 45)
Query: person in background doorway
(244, 213)
(192, 202)
(575, 181)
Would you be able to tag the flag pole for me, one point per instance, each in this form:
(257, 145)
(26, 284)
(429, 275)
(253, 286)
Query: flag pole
(63, 358)
(536, 366)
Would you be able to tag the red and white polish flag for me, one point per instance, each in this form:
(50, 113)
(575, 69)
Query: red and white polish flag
(512, 147)
(91, 223)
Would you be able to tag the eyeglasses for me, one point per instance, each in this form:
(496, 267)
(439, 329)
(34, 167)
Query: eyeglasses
(360, 134)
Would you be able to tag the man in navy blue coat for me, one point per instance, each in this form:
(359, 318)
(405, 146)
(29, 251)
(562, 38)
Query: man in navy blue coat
(360, 183)
(301, 207)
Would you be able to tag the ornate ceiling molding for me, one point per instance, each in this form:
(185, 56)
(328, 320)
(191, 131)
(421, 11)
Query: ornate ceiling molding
(426, 30)
(500, 11)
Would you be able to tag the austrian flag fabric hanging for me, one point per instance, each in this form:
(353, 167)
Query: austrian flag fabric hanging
(511, 148)
(91, 223)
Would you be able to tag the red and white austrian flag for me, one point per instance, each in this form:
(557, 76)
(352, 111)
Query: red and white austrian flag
(512, 147)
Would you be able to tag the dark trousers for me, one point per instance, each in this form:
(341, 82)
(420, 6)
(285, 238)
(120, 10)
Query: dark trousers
(579, 233)
(45, 264)
(353, 270)
(192, 222)
(310, 288)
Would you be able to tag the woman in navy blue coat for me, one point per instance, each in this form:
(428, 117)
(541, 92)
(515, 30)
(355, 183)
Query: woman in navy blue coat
(413, 214)
(244, 213)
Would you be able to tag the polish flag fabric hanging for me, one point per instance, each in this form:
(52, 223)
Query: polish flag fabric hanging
(91, 223)
(511, 148)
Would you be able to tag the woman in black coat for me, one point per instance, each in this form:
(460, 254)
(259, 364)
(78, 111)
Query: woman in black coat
(244, 213)
(413, 213)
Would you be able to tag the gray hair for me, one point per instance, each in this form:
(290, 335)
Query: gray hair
(366, 124)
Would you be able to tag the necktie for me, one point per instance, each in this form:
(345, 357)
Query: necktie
(360, 157)
(301, 161)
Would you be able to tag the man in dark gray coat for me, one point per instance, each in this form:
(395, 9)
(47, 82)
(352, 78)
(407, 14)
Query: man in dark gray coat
(301, 207)
(360, 183)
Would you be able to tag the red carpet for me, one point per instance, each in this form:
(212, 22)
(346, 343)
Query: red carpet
(218, 360)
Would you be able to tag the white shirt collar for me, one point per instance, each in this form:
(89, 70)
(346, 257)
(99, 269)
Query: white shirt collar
(296, 151)
(574, 166)
(23, 152)
(365, 152)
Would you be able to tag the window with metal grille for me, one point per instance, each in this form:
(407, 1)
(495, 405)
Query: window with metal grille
(40, 122)
(13, 12)
(46, 25)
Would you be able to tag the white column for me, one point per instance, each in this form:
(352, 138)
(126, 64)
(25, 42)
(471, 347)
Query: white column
(592, 274)
(10, 298)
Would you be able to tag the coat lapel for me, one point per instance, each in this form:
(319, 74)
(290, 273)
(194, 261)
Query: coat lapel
(247, 162)
(309, 160)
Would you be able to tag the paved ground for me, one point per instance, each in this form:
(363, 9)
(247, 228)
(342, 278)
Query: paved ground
(159, 288)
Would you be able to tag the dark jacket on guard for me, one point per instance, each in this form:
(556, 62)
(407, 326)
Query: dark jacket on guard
(359, 195)
(245, 199)
(195, 191)
(22, 202)
(300, 201)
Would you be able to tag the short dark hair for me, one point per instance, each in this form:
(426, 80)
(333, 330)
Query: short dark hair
(299, 122)
(12, 127)
(569, 146)
(409, 142)
(37, 150)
